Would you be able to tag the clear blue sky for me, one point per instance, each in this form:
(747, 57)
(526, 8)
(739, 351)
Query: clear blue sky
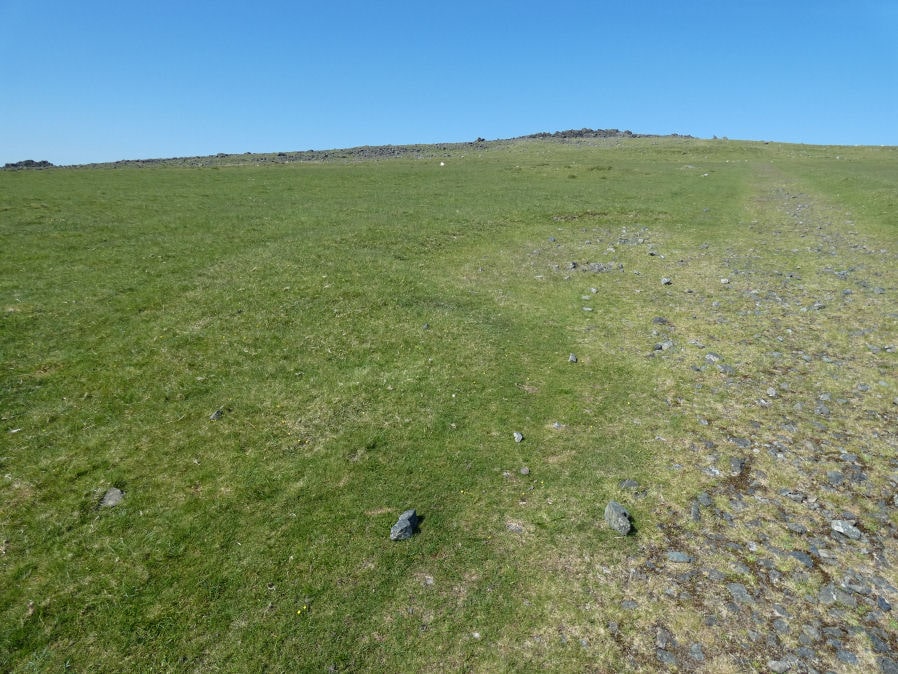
(96, 80)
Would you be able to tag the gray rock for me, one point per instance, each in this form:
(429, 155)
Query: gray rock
(739, 593)
(514, 527)
(664, 639)
(678, 557)
(524, 470)
(112, 497)
(835, 477)
(696, 512)
(846, 657)
(216, 415)
(518, 437)
(666, 345)
(830, 594)
(666, 657)
(779, 666)
(629, 484)
(697, 653)
(666, 281)
(887, 665)
(846, 528)
(618, 518)
(572, 358)
(405, 526)
(737, 465)
(802, 557)
(704, 499)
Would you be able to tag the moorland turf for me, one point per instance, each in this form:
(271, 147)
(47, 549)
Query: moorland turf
(273, 360)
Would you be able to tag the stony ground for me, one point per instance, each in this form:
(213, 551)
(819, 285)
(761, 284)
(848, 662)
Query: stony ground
(784, 559)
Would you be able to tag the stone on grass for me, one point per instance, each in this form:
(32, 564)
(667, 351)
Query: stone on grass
(112, 497)
(216, 415)
(846, 528)
(666, 281)
(405, 526)
(572, 358)
(518, 437)
(618, 518)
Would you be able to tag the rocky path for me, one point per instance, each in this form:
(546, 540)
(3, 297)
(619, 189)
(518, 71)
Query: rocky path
(784, 560)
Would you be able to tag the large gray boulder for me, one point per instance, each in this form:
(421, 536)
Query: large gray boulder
(618, 518)
(405, 526)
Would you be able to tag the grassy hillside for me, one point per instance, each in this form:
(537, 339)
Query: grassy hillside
(369, 334)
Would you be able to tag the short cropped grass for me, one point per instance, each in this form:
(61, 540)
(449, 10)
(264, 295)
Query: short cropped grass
(372, 333)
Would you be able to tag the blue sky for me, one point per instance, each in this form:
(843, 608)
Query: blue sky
(104, 80)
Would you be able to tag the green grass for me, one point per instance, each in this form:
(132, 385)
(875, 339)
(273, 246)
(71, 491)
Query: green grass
(137, 302)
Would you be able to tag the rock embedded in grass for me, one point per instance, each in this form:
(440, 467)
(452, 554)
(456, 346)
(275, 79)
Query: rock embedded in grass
(112, 497)
(618, 518)
(846, 528)
(405, 526)
(518, 437)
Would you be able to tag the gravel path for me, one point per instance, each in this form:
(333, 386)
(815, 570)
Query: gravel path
(792, 568)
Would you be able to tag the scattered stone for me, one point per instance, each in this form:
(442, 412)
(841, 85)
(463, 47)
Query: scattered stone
(629, 484)
(216, 415)
(737, 465)
(525, 470)
(846, 528)
(405, 526)
(518, 437)
(112, 497)
(724, 281)
(678, 557)
(830, 594)
(696, 512)
(600, 267)
(704, 499)
(664, 346)
(618, 518)
(740, 593)
(660, 320)
(835, 477)
(779, 666)
(887, 665)
(846, 656)
(572, 358)
(696, 652)
(666, 281)
(514, 527)
(666, 657)
(802, 557)
(712, 357)
(664, 639)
